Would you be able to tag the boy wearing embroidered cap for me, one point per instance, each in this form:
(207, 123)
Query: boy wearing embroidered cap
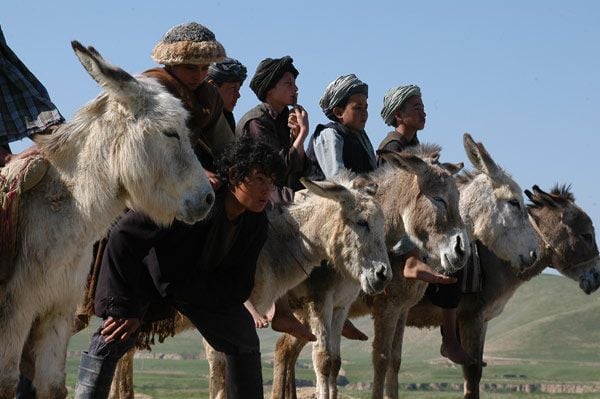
(227, 76)
(186, 51)
(404, 110)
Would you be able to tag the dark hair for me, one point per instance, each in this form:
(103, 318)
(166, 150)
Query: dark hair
(246, 154)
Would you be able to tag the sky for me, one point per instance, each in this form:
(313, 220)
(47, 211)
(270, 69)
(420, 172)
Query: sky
(520, 76)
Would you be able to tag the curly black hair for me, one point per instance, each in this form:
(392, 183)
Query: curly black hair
(246, 154)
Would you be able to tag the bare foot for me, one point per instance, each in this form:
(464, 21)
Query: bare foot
(415, 269)
(351, 332)
(291, 325)
(456, 353)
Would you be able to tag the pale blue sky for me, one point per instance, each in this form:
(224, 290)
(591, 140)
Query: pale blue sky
(521, 76)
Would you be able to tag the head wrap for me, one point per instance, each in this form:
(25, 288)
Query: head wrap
(189, 43)
(228, 70)
(268, 72)
(394, 99)
(339, 91)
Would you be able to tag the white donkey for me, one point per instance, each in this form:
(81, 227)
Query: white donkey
(340, 221)
(127, 148)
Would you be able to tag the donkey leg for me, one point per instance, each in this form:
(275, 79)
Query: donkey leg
(337, 324)
(472, 336)
(122, 384)
(391, 377)
(48, 341)
(14, 327)
(287, 351)
(320, 316)
(385, 320)
(217, 365)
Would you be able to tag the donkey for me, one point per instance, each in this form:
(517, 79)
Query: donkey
(568, 244)
(493, 208)
(339, 221)
(127, 148)
(419, 198)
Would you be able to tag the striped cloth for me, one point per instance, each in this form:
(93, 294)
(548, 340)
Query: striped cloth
(25, 107)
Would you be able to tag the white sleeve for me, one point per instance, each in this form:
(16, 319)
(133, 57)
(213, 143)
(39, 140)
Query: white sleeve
(328, 148)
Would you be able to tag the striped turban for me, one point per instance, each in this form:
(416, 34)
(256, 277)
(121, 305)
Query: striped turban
(228, 70)
(394, 99)
(338, 92)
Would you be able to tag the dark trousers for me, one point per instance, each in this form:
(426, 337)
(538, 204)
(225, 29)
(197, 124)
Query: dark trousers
(446, 296)
(230, 330)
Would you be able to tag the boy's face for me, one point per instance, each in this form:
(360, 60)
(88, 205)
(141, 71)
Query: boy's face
(355, 114)
(412, 115)
(285, 92)
(189, 74)
(254, 191)
(230, 92)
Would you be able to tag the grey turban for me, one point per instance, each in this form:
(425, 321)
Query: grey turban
(394, 99)
(268, 72)
(339, 91)
(228, 70)
(189, 43)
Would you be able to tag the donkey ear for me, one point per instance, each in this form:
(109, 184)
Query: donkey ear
(543, 197)
(113, 79)
(326, 189)
(479, 156)
(408, 162)
(453, 168)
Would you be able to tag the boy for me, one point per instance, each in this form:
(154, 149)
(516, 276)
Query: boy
(205, 271)
(227, 76)
(404, 110)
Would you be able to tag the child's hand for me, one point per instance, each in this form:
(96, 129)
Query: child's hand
(298, 122)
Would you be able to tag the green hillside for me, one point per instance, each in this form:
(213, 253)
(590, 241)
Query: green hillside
(547, 334)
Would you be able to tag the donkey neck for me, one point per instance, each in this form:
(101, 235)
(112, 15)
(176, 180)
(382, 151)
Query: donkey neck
(299, 228)
(82, 168)
(397, 191)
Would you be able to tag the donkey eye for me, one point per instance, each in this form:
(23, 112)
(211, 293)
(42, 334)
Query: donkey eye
(588, 237)
(172, 133)
(364, 224)
(515, 203)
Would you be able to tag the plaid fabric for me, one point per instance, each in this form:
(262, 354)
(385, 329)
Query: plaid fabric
(25, 107)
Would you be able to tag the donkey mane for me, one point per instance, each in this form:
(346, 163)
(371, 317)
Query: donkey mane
(562, 193)
(423, 150)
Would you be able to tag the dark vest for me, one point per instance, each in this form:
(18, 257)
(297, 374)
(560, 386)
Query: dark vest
(394, 141)
(354, 154)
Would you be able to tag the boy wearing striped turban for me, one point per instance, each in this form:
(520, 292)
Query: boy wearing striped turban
(228, 76)
(342, 143)
(404, 110)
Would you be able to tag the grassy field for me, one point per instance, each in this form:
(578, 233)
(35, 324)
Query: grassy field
(546, 335)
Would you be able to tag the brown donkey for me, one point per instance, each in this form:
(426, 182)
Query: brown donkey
(568, 244)
(492, 206)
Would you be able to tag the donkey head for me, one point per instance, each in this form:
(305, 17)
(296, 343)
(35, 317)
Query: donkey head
(354, 223)
(492, 205)
(428, 205)
(140, 129)
(568, 233)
